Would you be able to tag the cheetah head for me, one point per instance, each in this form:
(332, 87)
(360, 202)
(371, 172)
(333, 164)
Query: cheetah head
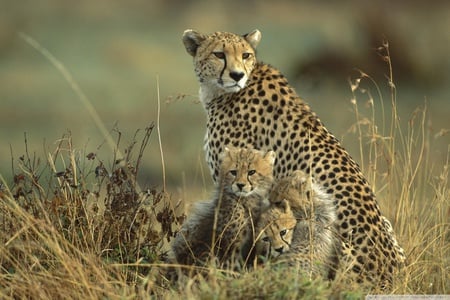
(223, 61)
(247, 172)
(276, 230)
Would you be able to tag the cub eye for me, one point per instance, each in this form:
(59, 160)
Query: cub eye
(245, 55)
(219, 55)
(233, 172)
(265, 239)
(283, 232)
(251, 172)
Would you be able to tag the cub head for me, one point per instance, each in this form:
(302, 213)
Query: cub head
(296, 189)
(307, 199)
(275, 230)
(223, 61)
(246, 171)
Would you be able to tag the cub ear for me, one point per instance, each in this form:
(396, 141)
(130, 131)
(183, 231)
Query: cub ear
(253, 38)
(224, 153)
(284, 205)
(299, 178)
(191, 40)
(271, 156)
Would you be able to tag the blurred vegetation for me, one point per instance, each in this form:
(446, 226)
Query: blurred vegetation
(117, 52)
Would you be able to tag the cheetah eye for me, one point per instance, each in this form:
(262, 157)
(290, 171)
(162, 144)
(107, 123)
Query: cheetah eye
(283, 232)
(251, 172)
(245, 55)
(265, 239)
(219, 55)
(233, 172)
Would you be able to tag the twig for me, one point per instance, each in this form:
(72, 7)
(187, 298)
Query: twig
(159, 135)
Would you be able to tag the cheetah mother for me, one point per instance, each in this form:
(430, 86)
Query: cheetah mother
(250, 104)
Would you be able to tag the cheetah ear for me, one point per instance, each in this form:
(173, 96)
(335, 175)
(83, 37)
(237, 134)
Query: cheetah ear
(299, 178)
(224, 153)
(253, 38)
(191, 40)
(284, 205)
(271, 156)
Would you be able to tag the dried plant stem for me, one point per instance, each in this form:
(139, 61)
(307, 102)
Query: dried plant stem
(158, 129)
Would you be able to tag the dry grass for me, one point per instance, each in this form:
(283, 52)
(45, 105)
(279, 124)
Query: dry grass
(78, 226)
(74, 228)
(411, 185)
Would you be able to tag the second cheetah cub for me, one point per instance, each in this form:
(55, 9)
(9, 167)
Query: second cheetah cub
(275, 230)
(314, 241)
(223, 228)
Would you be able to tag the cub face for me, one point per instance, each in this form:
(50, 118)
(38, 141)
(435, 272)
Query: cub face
(223, 61)
(246, 171)
(276, 230)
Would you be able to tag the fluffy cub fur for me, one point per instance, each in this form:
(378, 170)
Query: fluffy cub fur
(314, 242)
(223, 228)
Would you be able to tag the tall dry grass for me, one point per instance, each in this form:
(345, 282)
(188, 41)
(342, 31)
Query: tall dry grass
(77, 226)
(410, 177)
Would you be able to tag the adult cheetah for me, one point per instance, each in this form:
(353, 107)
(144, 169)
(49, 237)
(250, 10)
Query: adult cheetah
(250, 104)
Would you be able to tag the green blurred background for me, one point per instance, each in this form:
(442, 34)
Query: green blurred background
(117, 50)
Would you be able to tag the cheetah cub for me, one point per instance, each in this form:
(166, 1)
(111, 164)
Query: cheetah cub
(275, 230)
(314, 241)
(223, 227)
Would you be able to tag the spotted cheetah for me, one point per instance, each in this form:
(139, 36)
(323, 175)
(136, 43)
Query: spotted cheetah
(275, 230)
(250, 104)
(224, 226)
(315, 241)
(398, 249)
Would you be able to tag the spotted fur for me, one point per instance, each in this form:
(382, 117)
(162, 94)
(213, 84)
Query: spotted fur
(315, 243)
(261, 110)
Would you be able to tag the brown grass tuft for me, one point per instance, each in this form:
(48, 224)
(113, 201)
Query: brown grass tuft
(72, 228)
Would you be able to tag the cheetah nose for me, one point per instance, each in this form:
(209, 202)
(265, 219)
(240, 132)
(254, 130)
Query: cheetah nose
(236, 75)
(279, 250)
(240, 186)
